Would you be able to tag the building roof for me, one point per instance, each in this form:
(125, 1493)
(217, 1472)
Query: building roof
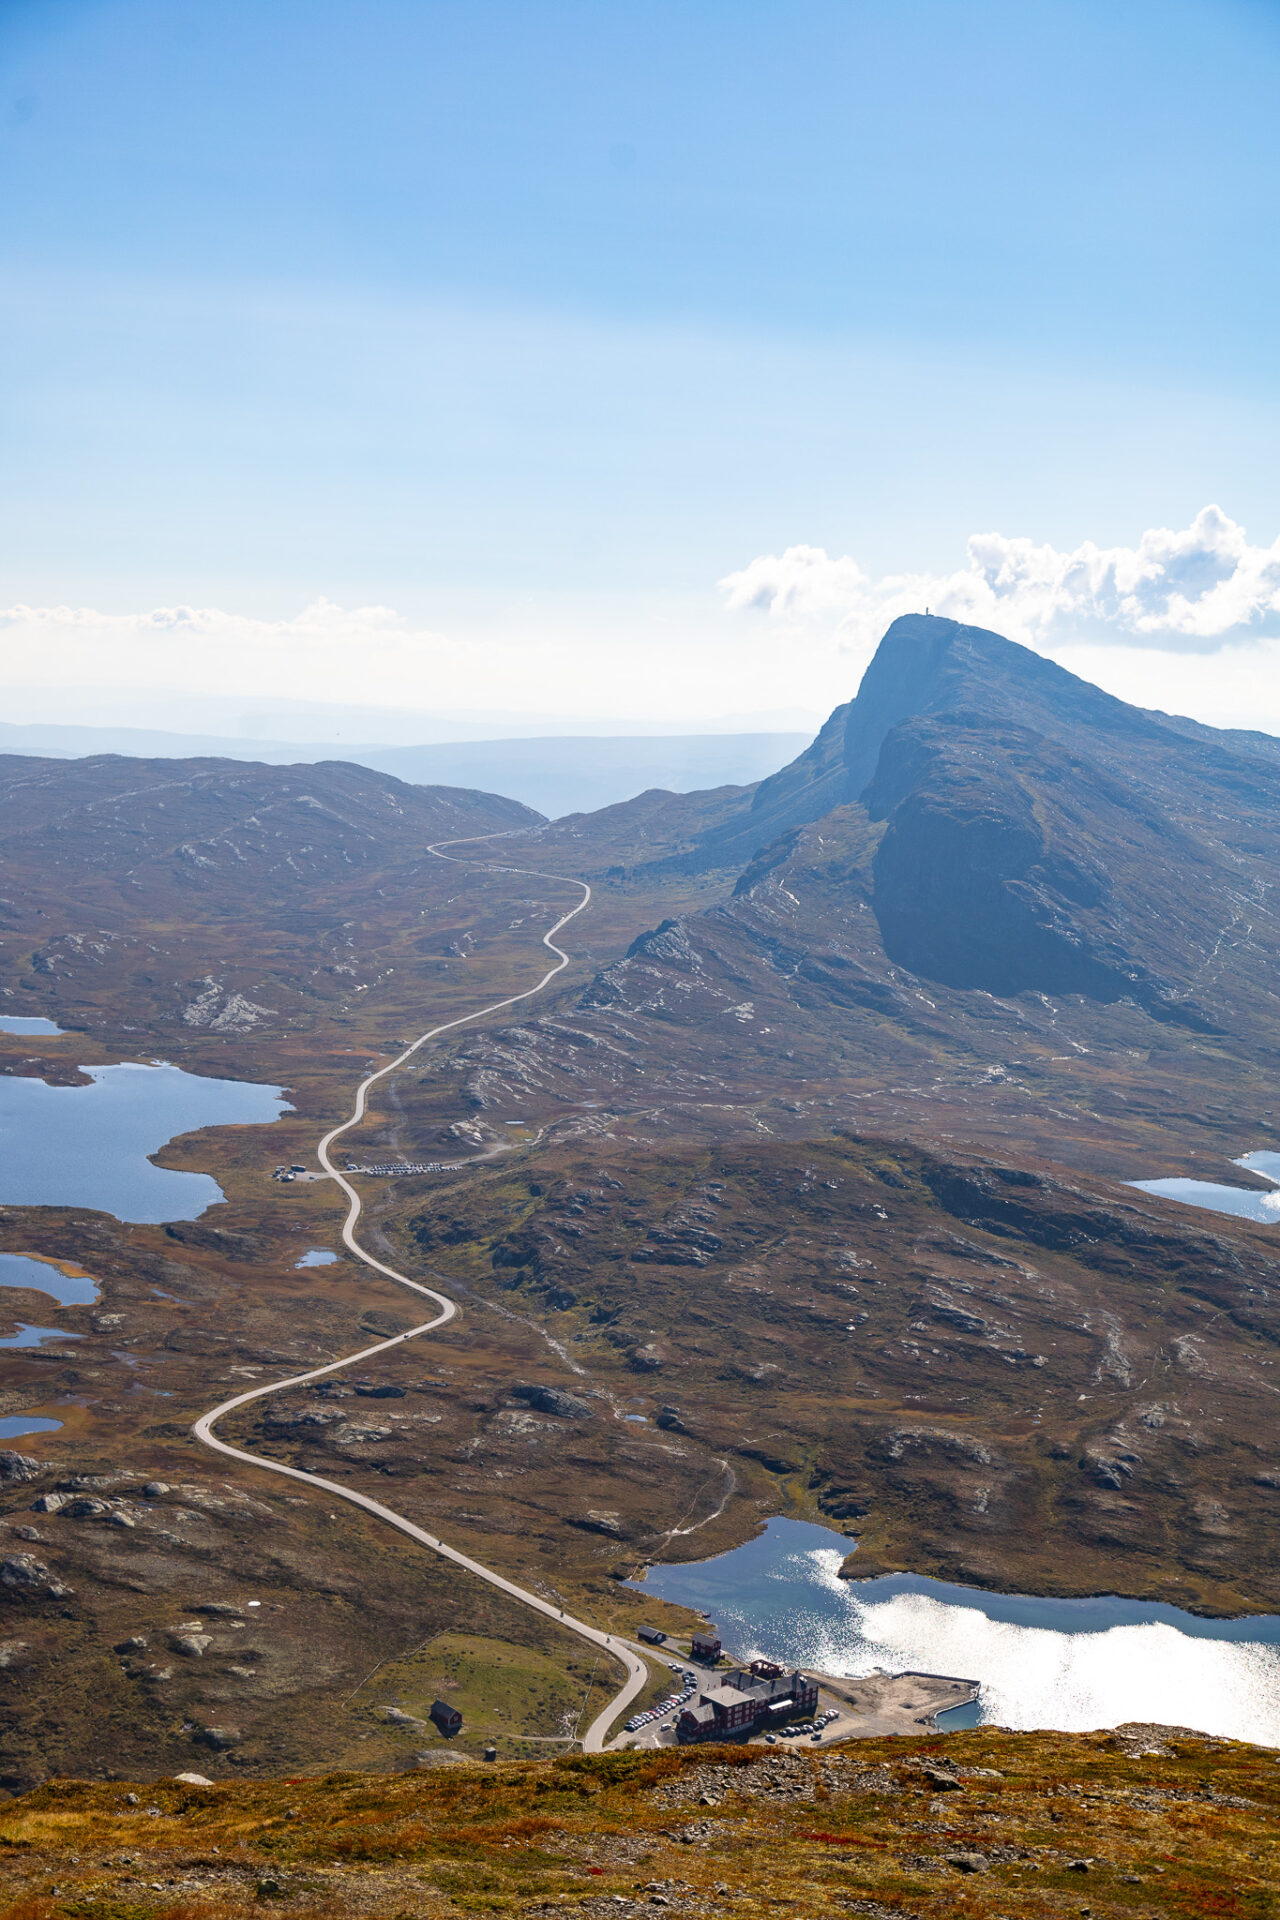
(703, 1713)
(726, 1696)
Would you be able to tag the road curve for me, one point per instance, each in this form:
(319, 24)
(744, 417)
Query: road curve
(636, 1671)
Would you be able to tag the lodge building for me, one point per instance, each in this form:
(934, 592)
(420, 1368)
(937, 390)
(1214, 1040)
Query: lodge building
(746, 1700)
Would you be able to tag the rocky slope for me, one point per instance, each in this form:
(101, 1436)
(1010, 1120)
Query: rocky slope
(212, 895)
(209, 833)
(986, 885)
(995, 943)
(1151, 1821)
(978, 1372)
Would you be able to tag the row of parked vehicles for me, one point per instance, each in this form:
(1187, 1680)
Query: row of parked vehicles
(812, 1727)
(663, 1707)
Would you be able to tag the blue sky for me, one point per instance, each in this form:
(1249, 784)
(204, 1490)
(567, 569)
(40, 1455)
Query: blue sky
(534, 322)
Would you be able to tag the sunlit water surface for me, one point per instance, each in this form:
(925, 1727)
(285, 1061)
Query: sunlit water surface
(1070, 1664)
(1247, 1203)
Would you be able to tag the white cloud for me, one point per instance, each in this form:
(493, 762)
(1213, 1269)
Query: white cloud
(617, 663)
(1197, 588)
(322, 625)
(1186, 620)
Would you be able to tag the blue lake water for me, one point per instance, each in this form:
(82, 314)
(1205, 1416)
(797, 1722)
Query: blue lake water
(316, 1257)
(1248, 1203)
(26, 1023)
(68, 1289)
(1070, 1664)
(29, 1336)
(89, 1146)
(14, 1425)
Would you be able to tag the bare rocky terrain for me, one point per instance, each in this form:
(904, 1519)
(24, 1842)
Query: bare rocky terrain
(800, 1192)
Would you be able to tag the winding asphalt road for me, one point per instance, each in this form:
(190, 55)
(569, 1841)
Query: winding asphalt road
(636, 1671)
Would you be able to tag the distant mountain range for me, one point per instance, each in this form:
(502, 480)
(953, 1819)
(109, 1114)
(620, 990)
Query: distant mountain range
(556, 775)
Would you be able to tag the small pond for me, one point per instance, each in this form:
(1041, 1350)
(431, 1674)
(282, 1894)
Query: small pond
(89, 1146)
(45, 1276)
(14, 1425)
(29, 1336)
(1248, 1203)
(26, 1023)
(1069, 1664)
(316, 1257)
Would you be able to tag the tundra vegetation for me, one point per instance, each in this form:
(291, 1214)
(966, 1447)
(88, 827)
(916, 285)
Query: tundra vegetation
(800, 1192)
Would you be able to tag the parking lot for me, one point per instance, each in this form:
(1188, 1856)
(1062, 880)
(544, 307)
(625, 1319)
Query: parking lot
(656, 1725)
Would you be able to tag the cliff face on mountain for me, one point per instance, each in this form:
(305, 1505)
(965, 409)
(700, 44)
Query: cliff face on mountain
(1026, 832)
(989, 897)
(1037, 835)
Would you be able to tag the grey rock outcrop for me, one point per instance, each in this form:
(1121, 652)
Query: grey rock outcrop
(566, 1406)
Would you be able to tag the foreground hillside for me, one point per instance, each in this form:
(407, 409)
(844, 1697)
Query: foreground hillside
(1149, 1821)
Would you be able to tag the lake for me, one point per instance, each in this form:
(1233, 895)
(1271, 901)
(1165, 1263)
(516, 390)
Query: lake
(89, 1146)
(1247, 1203)
(45, 1276)
(316, 1257)
(1068, 1664)
(26, 1023)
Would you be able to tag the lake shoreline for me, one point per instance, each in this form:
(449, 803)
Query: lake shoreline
(1044, 1660)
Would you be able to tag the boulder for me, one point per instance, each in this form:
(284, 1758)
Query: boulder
(565, 1406)
(23, 1573)
(967, 1862)
(16, 1467)
(596, 1521)
(942, 1781)
(396, 1717)
(219, 1738)
(191, 1644)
